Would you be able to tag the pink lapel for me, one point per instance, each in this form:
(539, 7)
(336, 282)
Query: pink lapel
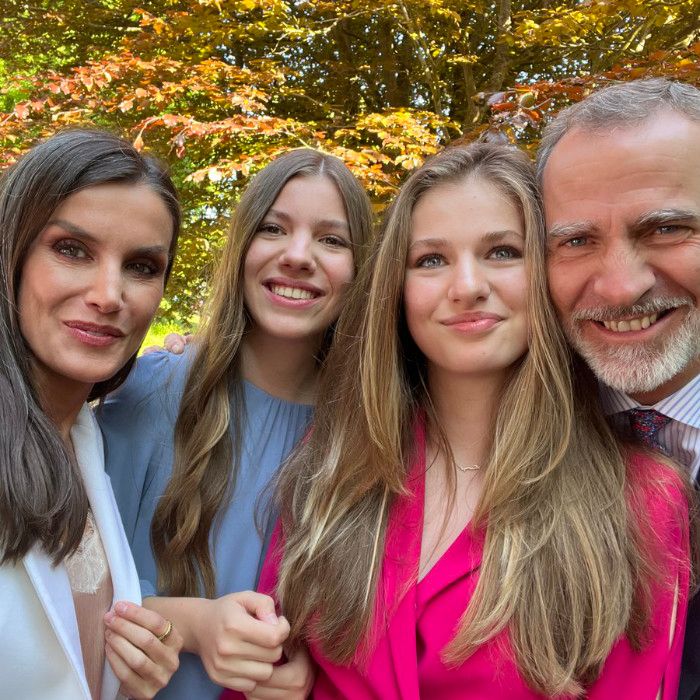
(395, 624)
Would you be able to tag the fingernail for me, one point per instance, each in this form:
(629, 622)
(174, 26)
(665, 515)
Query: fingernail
(109, 617)
(121, 608)
(270, 618)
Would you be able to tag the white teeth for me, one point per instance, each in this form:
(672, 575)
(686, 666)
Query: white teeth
(291, 292)
(635, 324)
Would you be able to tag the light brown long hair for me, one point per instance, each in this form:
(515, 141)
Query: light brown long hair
(42, 497)
(565, 569)
(206, 459)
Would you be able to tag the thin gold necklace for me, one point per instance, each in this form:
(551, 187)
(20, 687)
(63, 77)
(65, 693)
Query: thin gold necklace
(468, 467)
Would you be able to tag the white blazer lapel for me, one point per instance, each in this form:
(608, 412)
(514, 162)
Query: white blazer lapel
(53, 590)
(89, 453)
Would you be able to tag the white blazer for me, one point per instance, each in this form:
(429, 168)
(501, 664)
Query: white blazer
(40, 655)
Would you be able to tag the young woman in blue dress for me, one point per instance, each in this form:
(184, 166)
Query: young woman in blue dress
(194, 440)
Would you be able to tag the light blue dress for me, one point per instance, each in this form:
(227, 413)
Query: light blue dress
(137, 422)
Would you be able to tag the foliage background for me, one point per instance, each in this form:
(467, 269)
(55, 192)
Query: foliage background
(219, 87)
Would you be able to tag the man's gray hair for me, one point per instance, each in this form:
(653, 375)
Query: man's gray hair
(618, 105)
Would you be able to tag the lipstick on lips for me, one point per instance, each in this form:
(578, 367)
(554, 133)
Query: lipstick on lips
(291, 293)
(473, 321)
(95, 334)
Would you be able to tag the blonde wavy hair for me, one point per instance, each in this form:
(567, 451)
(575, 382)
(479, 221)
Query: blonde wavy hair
(565, 567)
(211, 410)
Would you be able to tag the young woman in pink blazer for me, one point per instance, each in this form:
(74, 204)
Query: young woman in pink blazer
(461, 522)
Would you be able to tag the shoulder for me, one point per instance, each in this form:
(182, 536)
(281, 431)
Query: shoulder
(659, 482)
(158, 375)
(660, 495)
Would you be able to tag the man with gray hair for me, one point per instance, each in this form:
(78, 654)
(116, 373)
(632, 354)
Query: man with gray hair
(620, 173)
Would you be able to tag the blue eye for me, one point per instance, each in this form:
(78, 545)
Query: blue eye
(505, 252)
(576, 241)
(671, 229)
(431, 260)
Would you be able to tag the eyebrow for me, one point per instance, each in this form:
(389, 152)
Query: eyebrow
(572, 229)
(489, 237)
(641, 225)
(82, 234)
(335, 223)
(665, 216)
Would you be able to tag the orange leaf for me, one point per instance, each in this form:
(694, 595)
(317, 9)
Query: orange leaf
(126, 105)
(22, 110)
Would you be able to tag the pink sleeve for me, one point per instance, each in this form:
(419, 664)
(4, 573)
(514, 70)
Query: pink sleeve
(640, 674)
(271, 566)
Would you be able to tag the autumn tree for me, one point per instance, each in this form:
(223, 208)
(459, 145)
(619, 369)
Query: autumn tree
(219, 87)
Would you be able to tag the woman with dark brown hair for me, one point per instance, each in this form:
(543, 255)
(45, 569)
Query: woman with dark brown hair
(88, 228)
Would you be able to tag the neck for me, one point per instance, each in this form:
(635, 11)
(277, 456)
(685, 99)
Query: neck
(649, 398)
(61, 400)
(465, 408)
(283, 368)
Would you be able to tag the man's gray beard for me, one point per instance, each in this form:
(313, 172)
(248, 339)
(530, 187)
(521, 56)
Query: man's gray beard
(641, 368)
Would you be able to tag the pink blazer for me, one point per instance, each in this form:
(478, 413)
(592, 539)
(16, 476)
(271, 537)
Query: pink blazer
(418, 619)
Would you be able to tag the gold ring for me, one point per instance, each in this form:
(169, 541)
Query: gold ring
(168, 630)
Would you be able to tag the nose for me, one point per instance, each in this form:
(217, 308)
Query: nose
(624, 276)
(105, 290)
(297, 253)
(469, 282)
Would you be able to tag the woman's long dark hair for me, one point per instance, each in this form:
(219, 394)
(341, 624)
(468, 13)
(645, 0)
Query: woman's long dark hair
(42, 498)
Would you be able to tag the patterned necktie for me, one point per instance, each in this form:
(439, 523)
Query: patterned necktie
(645, 424)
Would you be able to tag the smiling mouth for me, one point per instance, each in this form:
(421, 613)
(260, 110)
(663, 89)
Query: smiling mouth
(292, 292)
(633, 324)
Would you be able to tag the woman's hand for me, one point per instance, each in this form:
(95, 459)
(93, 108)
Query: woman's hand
(173, 343)
(239, 638)
(141, 651)
(289, 681)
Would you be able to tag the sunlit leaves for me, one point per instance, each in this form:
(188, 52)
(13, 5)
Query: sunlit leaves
(220, 87)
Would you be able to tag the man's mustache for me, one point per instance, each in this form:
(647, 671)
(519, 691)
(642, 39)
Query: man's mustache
(655, 305)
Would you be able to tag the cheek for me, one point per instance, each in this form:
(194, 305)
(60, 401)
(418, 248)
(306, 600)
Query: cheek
(340, 270)
(419, 301)
(512, 287)
(255, 259)
(144, 304)
(563, 281)
(682, 269)
(35, 295)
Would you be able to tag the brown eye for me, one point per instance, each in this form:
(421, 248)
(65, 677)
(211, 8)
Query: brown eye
(271, 229)
(70, 249)
(144, 268)
(335, 241)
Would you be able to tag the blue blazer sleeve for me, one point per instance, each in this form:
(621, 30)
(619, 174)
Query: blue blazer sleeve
(137, 423)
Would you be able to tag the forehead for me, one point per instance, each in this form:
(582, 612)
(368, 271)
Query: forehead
(623, 172)
(470, 204)
(118, 213)
(301, 190)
